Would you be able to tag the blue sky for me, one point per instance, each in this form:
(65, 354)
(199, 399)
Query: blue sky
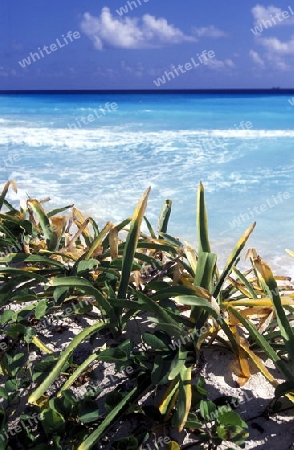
(129, 49)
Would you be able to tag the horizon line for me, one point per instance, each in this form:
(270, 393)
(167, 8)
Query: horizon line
(150, 91)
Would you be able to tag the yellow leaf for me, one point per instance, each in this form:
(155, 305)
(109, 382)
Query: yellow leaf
(168, 396)
(172, 446)
(40, 345)
(186, 386)
(265, 302)
(80, 221)
(113, 242)
(290, 252)
(191, 256)
(257, 361)
(58, 224)
(243, 372)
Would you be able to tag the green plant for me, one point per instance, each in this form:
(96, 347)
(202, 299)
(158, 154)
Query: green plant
(151, 275)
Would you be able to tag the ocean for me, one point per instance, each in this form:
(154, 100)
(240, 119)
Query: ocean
(101, 151)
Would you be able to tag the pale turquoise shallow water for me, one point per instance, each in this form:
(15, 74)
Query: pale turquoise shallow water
(169, 142)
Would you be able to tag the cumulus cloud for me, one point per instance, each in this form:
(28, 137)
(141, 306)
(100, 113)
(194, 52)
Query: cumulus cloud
(276, 52)
(210, 31)
(131, 33)
(274, 45)
(256, 58)
(261, 13)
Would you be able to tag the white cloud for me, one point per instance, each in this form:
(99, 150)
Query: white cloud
(261, 13)
(274, 45)
(217, 64)
(256, 58)
(210, 31)
(279, 63)
(135, 69)
(277, 51)
(131, 33)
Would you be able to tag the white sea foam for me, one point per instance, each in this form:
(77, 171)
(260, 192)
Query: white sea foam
(106, 136)
(105, 170)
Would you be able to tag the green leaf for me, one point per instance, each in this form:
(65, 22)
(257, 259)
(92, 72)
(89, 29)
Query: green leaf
(41, 309)
(97, 242)
(161, 369)
(232, 259)
(112, 400)
(232, 433)
(184, 398)
(193, 422)
(154, 341)
(284, 388)
(164, 216)
(52, 421)
(58, 210)
(94, 437)
(193, 300)
(88, 411)
(49, 234)
(283, 322)
(23, 257)
(23, 275)
(82, 367)
(6, 316)
(145, 303)
(262, 342)
(131, 244)
(207, 410)
(5, 190)
(247, 284)
(113, 354)
(4, 394)
(228, 417)
(177, 364)
(35, 396)
(86, 266)
(128, 443)
(223, 433)
(202, 222)
(86, 286)
(46, 365)
(150, 229)
(205, 270)
(16, 330)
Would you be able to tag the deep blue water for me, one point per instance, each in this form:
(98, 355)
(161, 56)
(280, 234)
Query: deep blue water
(170, 142)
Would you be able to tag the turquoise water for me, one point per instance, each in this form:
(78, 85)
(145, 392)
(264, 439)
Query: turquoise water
(50, 145)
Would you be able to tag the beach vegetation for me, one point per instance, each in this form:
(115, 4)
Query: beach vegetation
(60, 266)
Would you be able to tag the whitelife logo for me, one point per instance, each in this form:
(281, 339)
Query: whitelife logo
(91, 117)
(53, 47)
(203, 58)
(256, 210)
(125, 9)
(272, 21)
